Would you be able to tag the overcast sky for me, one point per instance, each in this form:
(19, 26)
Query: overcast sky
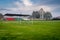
(27, 6)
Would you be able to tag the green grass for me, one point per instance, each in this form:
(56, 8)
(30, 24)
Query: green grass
(28, 30)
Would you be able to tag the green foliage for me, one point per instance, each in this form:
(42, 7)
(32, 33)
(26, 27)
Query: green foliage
(48, 16)
(1, 16)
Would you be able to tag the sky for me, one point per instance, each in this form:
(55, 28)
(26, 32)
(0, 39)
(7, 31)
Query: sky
(28, 6)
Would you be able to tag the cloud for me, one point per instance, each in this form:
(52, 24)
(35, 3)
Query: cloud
(27, 6)
(18, 4)
(27, 2)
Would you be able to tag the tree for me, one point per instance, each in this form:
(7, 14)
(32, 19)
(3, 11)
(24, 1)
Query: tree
(1, 16)
(35, 14)
(48, 16)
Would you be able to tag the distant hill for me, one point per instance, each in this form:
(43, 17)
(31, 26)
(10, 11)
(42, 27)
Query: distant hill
(2, 9)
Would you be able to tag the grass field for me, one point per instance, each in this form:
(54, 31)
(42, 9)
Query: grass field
(28, 30)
